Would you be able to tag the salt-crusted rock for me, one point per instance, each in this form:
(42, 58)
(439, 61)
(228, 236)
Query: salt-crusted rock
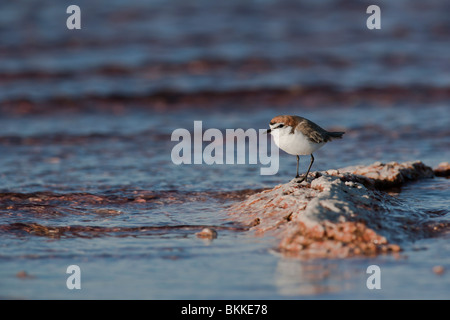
(207, 233)
(338, 213)
(389, 175)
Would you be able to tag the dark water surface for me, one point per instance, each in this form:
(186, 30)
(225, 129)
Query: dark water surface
(86, 118)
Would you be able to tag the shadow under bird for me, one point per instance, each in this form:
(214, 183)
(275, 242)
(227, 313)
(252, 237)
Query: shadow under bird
(299, 136)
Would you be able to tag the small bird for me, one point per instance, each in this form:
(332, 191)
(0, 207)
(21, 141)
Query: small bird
(299, 136)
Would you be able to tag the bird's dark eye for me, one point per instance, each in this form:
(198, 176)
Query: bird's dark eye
(280, 126)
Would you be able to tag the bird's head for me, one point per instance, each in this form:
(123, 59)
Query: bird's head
(280, 123)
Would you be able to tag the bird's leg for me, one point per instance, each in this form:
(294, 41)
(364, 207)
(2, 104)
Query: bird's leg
(298, 160)
(310, 165)
(307, 172)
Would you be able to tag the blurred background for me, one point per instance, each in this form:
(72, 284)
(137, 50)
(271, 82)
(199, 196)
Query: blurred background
(86, 118)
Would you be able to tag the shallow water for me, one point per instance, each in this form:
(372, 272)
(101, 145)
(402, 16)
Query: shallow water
(86, 119)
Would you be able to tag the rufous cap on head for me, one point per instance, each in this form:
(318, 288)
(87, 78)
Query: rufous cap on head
(287, 120)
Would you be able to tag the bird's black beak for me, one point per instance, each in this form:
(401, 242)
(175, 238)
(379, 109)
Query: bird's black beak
(268, 131)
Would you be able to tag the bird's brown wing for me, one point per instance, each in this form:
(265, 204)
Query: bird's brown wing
(314, 132)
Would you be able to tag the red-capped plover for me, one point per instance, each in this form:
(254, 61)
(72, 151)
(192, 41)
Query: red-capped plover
(299, 136)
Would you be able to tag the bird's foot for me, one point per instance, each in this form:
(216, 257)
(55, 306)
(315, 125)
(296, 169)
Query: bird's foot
(299, 179)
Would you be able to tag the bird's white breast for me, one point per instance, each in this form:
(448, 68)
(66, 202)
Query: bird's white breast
(294, 143)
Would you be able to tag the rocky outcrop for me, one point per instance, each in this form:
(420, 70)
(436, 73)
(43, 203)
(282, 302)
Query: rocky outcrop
(337, 213)
(443, 170)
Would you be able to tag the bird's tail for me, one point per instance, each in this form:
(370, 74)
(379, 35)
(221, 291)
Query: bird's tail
(336, 135)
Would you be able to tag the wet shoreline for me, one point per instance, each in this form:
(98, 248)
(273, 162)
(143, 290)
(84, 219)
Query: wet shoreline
(86, 117)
